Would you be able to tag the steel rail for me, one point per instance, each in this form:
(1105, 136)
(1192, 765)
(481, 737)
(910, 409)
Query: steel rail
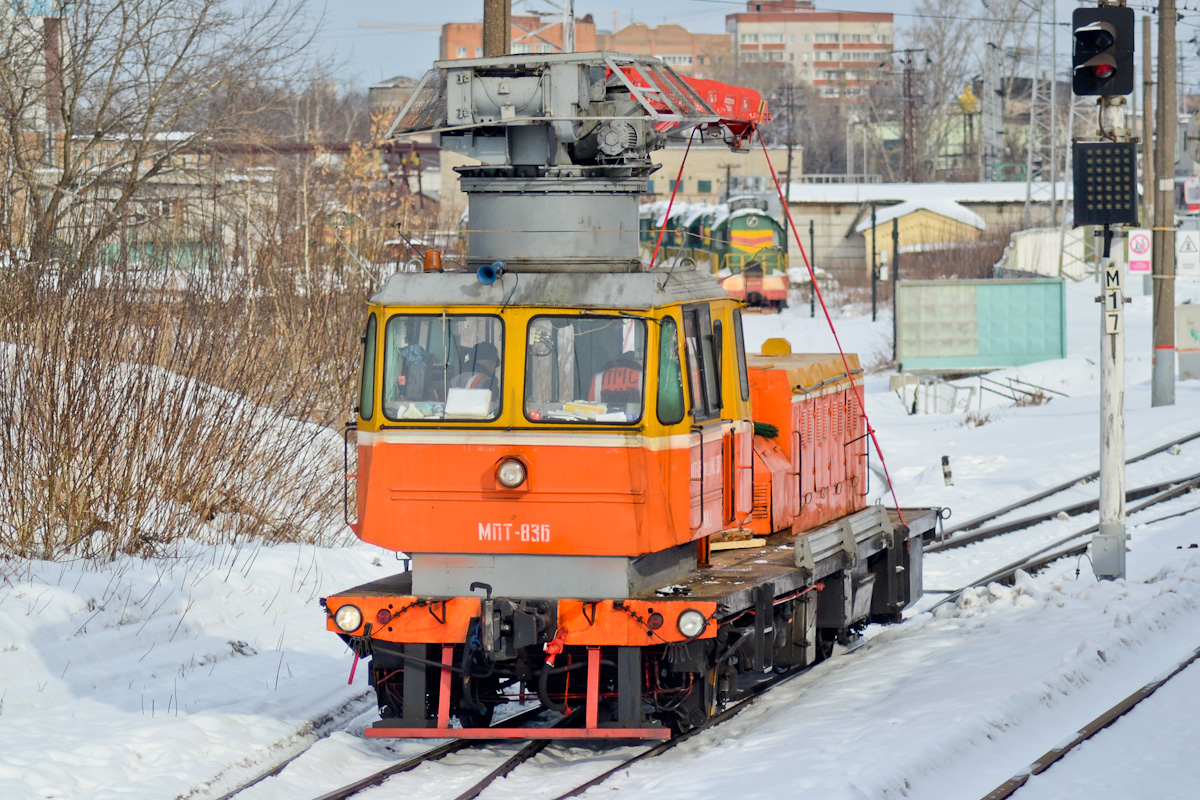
(749, 696)
(1050, 553)
(433, 754)
(527, 751)
(1072, 510)
(1062, 487)
(323, 726)
(379, 776)
(1053, 755)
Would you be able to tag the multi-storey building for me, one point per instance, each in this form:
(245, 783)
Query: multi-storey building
(687, 53)
(841, 53)
(530, 34)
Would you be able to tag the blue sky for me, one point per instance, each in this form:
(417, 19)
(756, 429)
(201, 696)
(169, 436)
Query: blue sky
(369, 55)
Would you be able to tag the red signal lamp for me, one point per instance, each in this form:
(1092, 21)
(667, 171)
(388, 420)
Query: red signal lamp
(1104, 71)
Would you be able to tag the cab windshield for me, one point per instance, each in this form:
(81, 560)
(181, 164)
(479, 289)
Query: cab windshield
(442, 367)
(585, 369)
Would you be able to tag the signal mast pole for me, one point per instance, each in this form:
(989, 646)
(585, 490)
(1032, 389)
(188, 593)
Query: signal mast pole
(1105, 185)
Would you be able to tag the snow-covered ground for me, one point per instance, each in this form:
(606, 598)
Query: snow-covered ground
(183, 677)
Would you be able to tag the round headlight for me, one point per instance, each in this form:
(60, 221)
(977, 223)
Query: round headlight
(348, 618)
(511, 473)
(691, 623)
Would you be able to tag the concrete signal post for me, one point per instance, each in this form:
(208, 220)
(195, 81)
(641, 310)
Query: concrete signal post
(1105, 171)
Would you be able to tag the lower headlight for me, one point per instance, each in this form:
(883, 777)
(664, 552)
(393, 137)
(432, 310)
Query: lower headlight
(691, 623)
(348, 618)
(511, 473)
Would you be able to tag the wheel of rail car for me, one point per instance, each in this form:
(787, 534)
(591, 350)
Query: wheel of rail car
(826, 639)
(697, 704)
(476, 719)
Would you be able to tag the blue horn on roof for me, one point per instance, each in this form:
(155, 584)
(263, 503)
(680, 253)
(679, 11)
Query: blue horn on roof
(488, 273)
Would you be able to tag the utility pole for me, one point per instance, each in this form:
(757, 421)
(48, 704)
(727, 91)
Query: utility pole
(874, 268)
(568, 26)
(1147, 126)
(497, 27)
(728, 169)
(1162, 376)
(812, 255)
(895, 278)
(787, 181)
(910, 121)
(911, 166)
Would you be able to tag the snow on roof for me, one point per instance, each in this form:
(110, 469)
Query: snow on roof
(697, 210)
(982, 192)
(946, 208)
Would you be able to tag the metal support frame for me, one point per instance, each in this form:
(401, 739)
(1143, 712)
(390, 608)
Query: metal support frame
(414, 725)
(992, 128)
(629, 687)
(413, 699)
(1041, 147)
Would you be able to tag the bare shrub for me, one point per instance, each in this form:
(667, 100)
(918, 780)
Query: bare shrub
(146, 407)
(1033, 398)
(973, 419)
(880, 360)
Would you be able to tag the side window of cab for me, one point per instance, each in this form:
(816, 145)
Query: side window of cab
(702, 362)
(366, 386)
(670, 374)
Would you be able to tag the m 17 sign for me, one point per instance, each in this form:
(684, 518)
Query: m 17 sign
(1139, 250)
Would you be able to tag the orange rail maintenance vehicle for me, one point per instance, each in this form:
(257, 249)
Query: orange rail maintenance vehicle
(608, 505)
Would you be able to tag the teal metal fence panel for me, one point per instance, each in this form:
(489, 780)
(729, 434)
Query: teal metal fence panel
(950, 326)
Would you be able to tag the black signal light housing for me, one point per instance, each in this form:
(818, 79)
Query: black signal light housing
(1102, 51)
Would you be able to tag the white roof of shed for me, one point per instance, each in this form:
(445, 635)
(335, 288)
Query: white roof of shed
(980, 192)
(946, 208)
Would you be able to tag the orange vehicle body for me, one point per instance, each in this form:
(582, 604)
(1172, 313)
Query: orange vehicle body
(821, 441)
(640, 491)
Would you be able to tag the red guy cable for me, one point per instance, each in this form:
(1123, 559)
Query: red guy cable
(845, 362)
(667, 218)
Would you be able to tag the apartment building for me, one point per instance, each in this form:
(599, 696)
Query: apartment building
(841, 53)
(530, 34)
(685, 52)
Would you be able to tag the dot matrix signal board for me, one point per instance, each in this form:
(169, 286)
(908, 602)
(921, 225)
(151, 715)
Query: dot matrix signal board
(1105, 183)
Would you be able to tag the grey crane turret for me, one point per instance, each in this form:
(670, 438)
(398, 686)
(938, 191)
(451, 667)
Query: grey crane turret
(564, 143)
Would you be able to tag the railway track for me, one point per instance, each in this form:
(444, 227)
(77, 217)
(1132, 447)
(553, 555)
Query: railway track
(950, 537)
(522, 754)
(1066, 546)
(1088, 731)
(1184, 484)
(320, 728)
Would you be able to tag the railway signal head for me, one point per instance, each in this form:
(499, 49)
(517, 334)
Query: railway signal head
(1102, 53)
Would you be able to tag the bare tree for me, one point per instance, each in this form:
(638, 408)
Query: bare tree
(102, 98)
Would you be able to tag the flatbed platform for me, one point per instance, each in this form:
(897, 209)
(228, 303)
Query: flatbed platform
(732, 576)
